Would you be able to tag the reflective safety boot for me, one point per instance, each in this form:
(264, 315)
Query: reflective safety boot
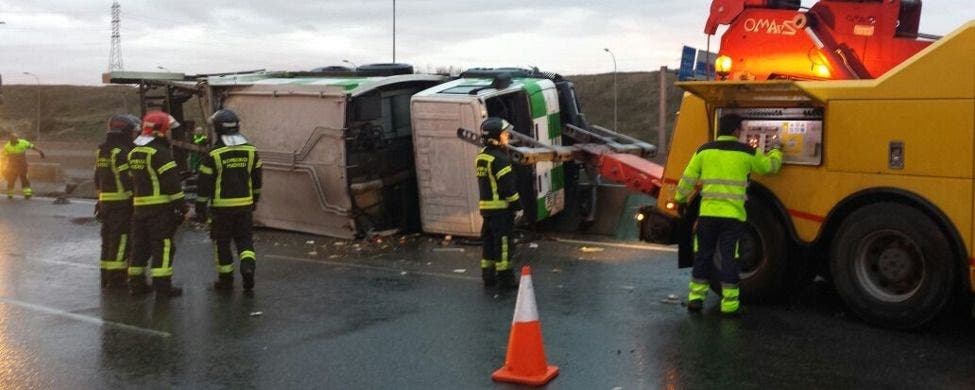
(247, 269)
(506, 280)
(164, 288)
(138, 285)
(116, 279)
(224, 282)
(489, 276)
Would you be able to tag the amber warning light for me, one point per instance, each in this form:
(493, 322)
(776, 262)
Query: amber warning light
(722, 66)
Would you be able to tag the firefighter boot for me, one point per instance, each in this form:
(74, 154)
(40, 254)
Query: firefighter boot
(489, 276)
(695, 299)
(247, 268)
(506, 280)
(224, 282)
(138, 285)
(729, 300)
(113, 279)
(164, 287)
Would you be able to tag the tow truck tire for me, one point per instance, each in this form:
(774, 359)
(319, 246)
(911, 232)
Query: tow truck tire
(763, 258)
(892, 265)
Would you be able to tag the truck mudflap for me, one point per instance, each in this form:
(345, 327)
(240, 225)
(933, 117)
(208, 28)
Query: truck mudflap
(661, 228)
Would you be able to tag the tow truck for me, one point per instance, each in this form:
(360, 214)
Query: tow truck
(877, 126)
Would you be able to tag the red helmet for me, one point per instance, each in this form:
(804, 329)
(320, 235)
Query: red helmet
(155, 124)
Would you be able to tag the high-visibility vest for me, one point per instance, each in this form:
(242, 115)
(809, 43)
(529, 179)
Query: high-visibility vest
(722, 168)
(495, 181)
(230, 176)
(155, 180)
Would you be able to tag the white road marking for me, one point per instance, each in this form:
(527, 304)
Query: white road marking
(645, 247)
(372, 267)
(68, 263)
(83, 318)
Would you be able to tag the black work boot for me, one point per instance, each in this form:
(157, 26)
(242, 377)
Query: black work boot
(224, 282)
(116, 279)
(164, 288)
(138, 285)
(506, 280)
(489, 276)
(247, 269)
(695, 305)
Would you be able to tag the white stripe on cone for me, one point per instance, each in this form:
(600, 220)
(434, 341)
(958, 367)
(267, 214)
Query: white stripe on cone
(525, 308)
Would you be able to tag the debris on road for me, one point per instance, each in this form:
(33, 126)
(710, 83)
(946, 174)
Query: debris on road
(590, 249)
(460, 271)
(671, 299)
(533, 245)
(310, 242)
(257, 313)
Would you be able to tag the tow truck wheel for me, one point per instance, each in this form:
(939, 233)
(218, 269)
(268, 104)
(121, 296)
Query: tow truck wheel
(892, 265)
(762, 261)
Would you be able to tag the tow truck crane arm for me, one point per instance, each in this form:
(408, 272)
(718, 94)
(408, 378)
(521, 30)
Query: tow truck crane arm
(616, 157)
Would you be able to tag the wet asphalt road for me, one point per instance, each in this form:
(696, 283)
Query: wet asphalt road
(400, 314)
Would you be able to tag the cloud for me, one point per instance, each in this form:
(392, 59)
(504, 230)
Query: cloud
(67, 41)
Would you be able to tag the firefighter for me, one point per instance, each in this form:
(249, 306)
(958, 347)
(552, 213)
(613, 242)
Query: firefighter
(114, 207)
(722, 168)
(230, 183)
(159, 208)
(499, 202)
(200, 139)
(15, 164)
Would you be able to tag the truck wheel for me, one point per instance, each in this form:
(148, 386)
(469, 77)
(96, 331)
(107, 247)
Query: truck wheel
(892, 265)
(763, 258)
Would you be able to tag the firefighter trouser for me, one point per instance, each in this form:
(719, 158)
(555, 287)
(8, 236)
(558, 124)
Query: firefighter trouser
(152, 237)
(12, 175)
(496, 236)
(116, 224)
(235, 226)
(719, 235)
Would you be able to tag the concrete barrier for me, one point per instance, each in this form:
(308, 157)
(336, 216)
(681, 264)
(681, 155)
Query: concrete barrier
(45, 172)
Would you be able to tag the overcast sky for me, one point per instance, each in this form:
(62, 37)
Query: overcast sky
(68, 41)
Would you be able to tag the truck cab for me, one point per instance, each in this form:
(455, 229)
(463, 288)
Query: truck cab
(535, 103)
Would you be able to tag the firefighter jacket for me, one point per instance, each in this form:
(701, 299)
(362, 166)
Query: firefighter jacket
(230, 176)
(155, 181)
(112, 180)
(496, 182)
(722, 168)
(15, 155)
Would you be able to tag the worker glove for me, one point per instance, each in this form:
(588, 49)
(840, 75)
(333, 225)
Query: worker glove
(98, 212)
(519, 217)
(200, 214)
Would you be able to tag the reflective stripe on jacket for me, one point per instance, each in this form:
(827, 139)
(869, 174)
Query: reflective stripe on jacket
(155, 180)
(722, 168)
(112, 179)
(230, 176)
(495, 181)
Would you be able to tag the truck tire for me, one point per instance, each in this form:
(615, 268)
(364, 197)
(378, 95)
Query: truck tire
(892, 265)
(384, 69)
(763, 258)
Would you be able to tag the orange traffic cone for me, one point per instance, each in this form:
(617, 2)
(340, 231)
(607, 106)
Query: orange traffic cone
(525, 362)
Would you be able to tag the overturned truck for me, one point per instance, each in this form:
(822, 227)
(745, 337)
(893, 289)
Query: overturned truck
(348, 152)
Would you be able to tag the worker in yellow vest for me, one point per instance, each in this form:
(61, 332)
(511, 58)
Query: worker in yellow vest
(15, 164)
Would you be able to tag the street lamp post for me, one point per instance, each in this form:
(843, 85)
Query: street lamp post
(354, 66)
(38, 80)
(394, 31)
(615, 93)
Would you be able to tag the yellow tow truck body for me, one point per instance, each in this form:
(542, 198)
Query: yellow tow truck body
(904, 141)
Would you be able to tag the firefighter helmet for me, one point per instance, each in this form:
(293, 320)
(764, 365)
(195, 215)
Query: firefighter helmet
(123, 124)
(155, 124)
(493, 127)
(225, 122)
